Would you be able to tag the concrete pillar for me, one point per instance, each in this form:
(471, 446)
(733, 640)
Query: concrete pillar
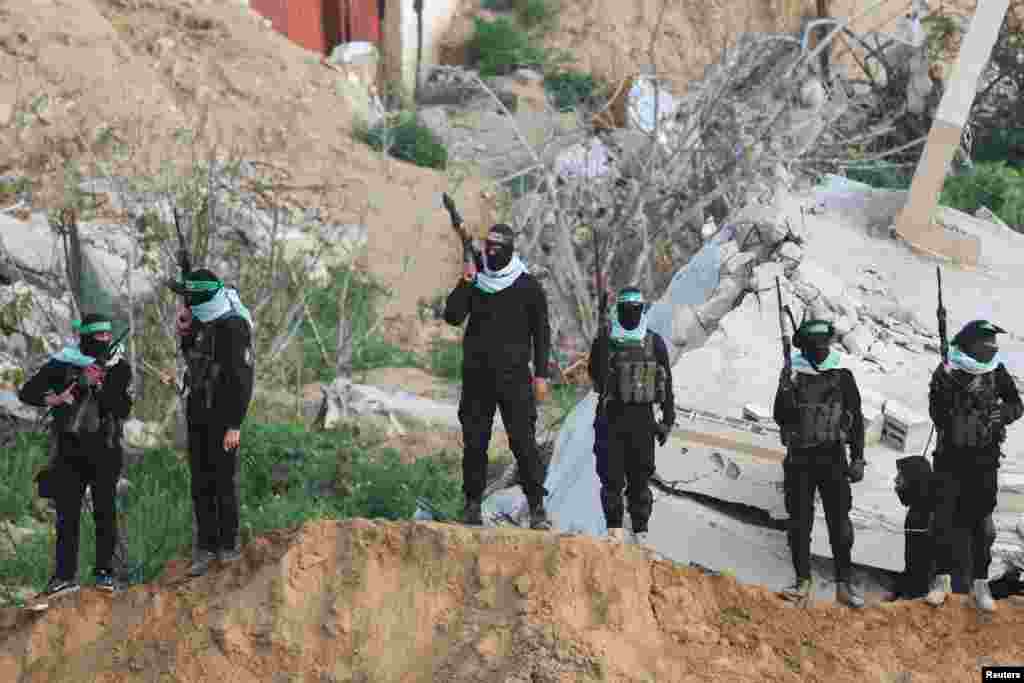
(914, 223)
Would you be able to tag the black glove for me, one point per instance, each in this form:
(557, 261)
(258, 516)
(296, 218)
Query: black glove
(661, 431)
(855, 472)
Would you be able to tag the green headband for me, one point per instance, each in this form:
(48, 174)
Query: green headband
(203, 285)
(92, 328)
(817, 328)
(630, 298)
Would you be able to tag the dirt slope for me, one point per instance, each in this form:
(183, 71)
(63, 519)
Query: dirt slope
(406, 602)
(155, 66)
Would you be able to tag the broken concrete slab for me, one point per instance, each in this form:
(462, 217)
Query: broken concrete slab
(828, 284)
(858, 340)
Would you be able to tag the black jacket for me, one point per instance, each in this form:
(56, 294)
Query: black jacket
(940, 408)
(598, 364)
(504, 327)
(785, 413)
(233, 383)
(115, 398)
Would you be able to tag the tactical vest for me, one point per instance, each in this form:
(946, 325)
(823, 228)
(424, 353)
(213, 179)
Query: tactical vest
(971, 426)
(202, 369)
(634, 374)
(819, 404)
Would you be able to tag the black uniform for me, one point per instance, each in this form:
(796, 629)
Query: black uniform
(92, 459)
(966, 460)
(219, 382)
(506, 330)
(624, 435)
(818, 414)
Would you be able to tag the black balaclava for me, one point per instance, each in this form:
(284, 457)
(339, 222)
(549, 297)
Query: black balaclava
(913, 481)
(629, 307)
(200, 286)
(814, 339)
(499, 247)
(89, 327)
(978, 340)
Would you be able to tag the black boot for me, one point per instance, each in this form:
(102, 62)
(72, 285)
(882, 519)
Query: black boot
(539, 517)
(472, 514)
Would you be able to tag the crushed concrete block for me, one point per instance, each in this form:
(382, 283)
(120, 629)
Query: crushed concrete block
(858, 340)
(829, 285)
(737, 263)
(874, 422)
(757, 413)
(765, 275)
(790, 255)
(843, 324)
(905, 430)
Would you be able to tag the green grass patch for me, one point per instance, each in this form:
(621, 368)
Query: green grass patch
(288, 476)
(405, 138)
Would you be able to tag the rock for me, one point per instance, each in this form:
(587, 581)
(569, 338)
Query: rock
(757, 413)
(905, 430)
(858, 340)
(737, 263)
(6, 112)
(708, 229)
(765, 275)
(141, 434)
(830, 286)
(983, 212)
(812, 94)
(11, 536)
(687, 330)
(843, 324)
(722, 300)
(529, 76)
(790, 255)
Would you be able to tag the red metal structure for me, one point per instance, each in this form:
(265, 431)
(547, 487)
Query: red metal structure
(320, 25)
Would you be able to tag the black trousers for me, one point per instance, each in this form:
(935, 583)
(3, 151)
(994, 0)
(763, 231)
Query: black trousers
(215, 496)
(918, 553)
(827, 475)
(484, 391)
(88, 462)
(965, 501)
(624, 454)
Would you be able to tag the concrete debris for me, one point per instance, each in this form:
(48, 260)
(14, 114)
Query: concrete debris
(858, 340)
(758, 413)
(826, 283)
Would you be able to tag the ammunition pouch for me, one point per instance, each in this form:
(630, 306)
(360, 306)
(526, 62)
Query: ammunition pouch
(635, 375)
(820, 414)
(971, 425)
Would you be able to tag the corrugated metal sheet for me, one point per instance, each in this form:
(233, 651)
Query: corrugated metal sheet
(363, 21)
(319, 25)
(275, 10)
(306, 24)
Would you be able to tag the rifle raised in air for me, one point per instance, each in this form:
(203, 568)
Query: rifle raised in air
(469, 252)
(941, 314)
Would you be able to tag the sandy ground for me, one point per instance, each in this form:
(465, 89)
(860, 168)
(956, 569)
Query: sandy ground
(413, 602)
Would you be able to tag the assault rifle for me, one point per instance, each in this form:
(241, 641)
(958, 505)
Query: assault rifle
(184, 258)
(469, 252)
(941, 314)
(85, 408)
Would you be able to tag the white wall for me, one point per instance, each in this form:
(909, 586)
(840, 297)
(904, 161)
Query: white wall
(437, 16)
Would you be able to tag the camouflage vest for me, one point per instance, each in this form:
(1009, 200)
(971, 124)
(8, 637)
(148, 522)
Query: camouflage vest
(635, 376)
(819, 403)
(970, 426)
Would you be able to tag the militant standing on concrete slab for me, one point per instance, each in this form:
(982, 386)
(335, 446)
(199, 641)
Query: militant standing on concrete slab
(630, 369)
(216, 337)
(818, 410)
(972, 398)
(89, 389)
(508, 316)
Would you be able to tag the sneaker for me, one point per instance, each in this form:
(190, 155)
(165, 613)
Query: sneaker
(539, 518)
(55, 588)
(229, 555)
(981, 596)
(472, 513)
(618, 534)
(640, 537)
(849, 595)
(105, 580)
(942, 585)
(800, 592)
(201, 563)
